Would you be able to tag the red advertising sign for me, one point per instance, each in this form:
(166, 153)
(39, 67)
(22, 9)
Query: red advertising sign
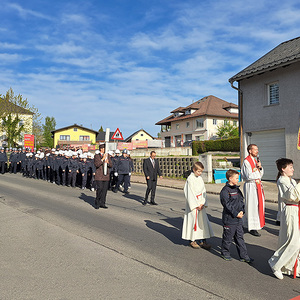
(298, 144)
(140, 144)
(29, 141)
(127, 146)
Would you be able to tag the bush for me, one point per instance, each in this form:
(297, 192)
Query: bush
(231, 144)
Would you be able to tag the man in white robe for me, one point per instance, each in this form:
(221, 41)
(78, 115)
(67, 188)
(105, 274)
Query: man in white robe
(252, 173)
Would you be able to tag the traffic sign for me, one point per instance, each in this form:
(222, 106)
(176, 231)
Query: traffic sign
(117, 135)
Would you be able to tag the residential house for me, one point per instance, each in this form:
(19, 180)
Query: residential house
(198, 121)
(25, 116)
(74, 135)
(269, 106)
(140, 135)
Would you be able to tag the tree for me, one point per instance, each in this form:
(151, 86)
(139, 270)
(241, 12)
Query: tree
(227, 130)
(49, 126)
(13, 131)
(101, 129)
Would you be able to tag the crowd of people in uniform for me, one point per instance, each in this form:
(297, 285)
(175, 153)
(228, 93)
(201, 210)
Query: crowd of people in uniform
(66, 166)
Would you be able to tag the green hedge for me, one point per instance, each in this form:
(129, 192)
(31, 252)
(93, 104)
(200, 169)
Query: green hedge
(232, 144)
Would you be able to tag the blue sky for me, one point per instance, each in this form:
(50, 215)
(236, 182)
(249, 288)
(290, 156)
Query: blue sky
(128, 63)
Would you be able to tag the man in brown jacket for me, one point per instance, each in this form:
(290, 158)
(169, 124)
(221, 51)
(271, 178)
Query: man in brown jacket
(101, 180)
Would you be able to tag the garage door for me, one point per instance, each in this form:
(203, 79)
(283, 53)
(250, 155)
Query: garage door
(271, 145)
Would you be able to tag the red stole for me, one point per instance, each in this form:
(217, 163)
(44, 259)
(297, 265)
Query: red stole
(196, 219)
(260, 193)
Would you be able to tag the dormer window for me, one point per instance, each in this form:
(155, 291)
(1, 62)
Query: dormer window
(188, 112)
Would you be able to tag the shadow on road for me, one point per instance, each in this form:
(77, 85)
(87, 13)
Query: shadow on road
(88, 199)
(134, 197)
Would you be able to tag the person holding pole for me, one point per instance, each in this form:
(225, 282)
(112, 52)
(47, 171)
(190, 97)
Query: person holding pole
(101, 179)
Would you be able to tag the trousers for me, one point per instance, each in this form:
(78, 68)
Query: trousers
(235, 232)
(151, 188)
(101, 191)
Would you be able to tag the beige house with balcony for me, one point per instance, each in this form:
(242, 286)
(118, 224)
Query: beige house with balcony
(198, 121)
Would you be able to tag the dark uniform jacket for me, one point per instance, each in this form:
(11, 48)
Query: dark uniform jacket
(124, 165)
(3, 156)
(233, 202)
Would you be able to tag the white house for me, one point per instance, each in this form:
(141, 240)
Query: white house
(198, 121)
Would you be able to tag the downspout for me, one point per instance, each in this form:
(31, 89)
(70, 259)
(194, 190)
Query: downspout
(241, 129)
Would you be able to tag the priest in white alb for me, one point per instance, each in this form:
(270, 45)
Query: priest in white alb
(252, 173)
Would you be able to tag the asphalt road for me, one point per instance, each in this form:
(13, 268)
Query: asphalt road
(55, 245)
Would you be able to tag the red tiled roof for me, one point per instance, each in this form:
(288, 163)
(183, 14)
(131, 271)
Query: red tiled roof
(207, 106)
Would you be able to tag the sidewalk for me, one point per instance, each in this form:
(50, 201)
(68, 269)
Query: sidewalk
(270, 188)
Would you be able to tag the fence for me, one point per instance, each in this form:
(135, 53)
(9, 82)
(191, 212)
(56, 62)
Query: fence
(170, 166)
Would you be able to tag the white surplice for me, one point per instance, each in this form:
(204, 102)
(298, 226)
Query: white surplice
(195, 194)
(289, 235)
(251, 219)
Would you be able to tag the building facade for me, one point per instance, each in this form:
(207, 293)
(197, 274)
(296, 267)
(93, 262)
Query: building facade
(74, 135)
(269, 103)
(198, 121)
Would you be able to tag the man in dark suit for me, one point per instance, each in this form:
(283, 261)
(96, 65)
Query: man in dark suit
(151, 170)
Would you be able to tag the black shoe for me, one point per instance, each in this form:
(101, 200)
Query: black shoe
(115, 190)
(153, 203)
(126, 192)
(254, 232)
(277, 223)
(103, 206)
(144, 202)
(248, 260)
(227, 258)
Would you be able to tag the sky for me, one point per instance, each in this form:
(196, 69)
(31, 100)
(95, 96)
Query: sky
(127, 63)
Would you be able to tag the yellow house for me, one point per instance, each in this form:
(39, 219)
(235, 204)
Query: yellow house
(74, 135)
(140, 135)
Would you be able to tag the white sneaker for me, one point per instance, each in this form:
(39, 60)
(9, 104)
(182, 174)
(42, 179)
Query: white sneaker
(278, 274)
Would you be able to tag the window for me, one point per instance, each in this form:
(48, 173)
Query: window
(235, 123)
(75, 129)
(188, 112)
(226, 122)
(177, 126)
(64, 137)
(142, 134)
(214, 121)
(199, 137)
(21, 123)
(199, 123)
(84, 138)
(273, 93)
(187, 124)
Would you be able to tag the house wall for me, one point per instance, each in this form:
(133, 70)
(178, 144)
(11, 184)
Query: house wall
(258, 116)
(74, 135)
(141, 136)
